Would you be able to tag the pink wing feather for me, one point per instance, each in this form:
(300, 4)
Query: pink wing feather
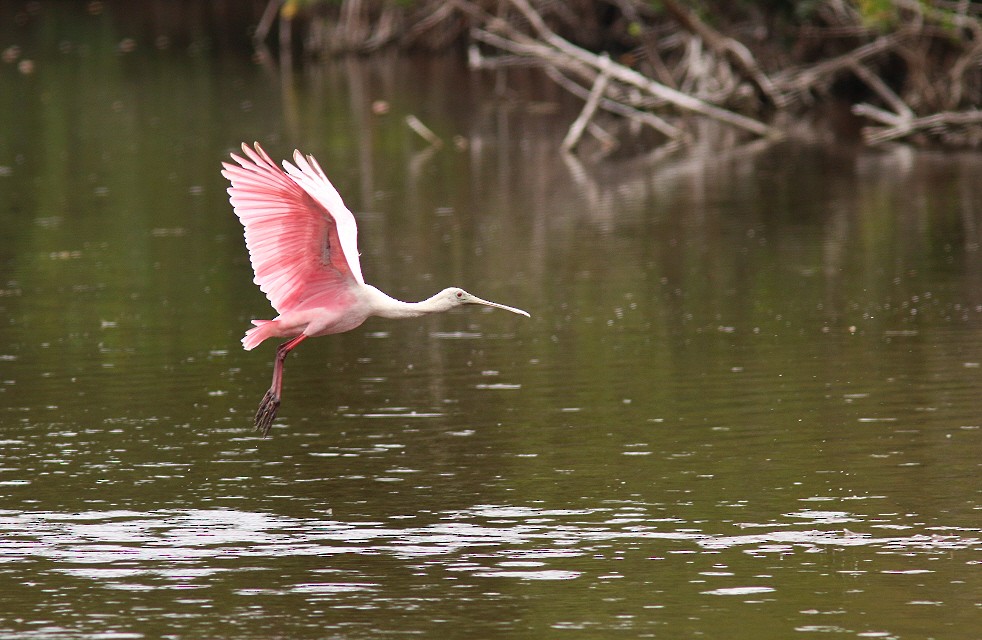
(302, 240)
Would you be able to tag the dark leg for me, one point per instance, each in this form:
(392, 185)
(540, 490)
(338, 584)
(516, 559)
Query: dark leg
(271, 401)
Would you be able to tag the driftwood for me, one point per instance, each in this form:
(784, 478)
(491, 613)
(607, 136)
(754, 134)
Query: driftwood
(960, 128)
(637, 80)
(560, 54)
(734, 50)
(917, 64)
(904, 112)
(592, 102)
(646, 118)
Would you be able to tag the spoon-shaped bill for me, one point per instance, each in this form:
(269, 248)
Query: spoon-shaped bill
(475, 300)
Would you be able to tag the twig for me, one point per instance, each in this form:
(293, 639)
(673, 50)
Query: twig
(738, 54)
(876, 83)
(424, 132)
(649, 42)
(437, 16)
(880, 115)
(805, 79)
(589, 108)
(644, 117)
(607, 141)
(524, 46)
(477, 60)
(878, 135)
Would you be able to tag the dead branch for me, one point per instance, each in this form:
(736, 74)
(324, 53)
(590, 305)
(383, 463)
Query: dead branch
(589, 108)
(581, 57)
(941, 124)
(806, 79)
(920, 67)
(613, 106)
(887, 94)
(649, 44)
(738, 54)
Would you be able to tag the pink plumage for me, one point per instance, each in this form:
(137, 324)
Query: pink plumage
(302, 240)
(303, 244)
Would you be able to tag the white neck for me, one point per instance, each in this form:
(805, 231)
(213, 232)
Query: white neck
(388, 307)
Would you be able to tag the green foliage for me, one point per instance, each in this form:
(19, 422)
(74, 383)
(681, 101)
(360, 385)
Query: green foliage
(878, 14)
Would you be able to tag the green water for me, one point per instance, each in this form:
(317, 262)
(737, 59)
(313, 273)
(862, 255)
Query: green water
(746, 405)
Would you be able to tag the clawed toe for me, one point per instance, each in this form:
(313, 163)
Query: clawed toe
(267, 412)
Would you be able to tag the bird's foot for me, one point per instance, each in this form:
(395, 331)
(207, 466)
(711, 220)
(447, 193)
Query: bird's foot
(267, 412)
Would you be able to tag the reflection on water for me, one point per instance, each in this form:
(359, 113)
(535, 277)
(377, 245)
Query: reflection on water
(222, 555)
(747, 398)
(497, 533)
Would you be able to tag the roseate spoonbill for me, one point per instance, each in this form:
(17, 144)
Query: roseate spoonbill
(303, 245)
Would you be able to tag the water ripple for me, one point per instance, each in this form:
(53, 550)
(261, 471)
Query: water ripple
(181, 547)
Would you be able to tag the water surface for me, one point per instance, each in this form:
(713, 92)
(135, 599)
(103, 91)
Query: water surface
(746, 404)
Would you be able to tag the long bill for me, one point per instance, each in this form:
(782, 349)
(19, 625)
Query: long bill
(475, 300)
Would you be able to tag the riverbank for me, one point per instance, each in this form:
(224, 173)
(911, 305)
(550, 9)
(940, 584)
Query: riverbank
(908, 70)
(646, 73)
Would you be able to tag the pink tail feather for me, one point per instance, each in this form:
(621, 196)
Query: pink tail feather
(263, 329)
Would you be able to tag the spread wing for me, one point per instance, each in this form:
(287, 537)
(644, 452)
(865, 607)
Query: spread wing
(302, 240)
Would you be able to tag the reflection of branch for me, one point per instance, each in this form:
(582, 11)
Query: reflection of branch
(418, 162)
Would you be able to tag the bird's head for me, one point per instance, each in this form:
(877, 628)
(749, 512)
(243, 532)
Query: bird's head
(455, 297)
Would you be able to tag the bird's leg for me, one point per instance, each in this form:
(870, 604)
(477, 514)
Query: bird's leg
(270, 403)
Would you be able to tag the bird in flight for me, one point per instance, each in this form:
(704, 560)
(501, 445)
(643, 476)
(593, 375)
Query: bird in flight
(303, 245)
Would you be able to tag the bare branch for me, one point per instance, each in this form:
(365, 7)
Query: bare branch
(629, 76)
(589, 108)
(738, 54)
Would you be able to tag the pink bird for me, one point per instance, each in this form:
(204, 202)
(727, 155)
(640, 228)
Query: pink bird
(303, 244)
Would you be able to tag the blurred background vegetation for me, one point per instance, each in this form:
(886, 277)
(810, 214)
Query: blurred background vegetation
(903, 69)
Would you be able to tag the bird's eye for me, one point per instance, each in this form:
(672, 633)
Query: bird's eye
(460, 294)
